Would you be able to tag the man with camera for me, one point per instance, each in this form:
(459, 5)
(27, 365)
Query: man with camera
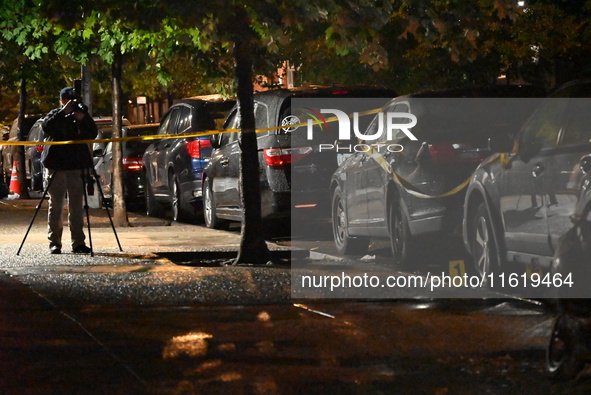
(67, 168)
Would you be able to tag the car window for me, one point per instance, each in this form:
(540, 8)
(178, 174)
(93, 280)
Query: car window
(36, 133)
(375, 124)
(164, 124)
(185, 120)
(544, 126)
(232, 122)
(261, 116)
(398, 133)
(578, 124)
(169, 122)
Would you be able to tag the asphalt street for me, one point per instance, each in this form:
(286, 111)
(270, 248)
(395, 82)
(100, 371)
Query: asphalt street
(165, 316)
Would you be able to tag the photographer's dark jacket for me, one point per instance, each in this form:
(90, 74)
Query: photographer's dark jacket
(61, 127)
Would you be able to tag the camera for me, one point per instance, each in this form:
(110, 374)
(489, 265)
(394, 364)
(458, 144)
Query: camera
(78, 105)
(76, 99)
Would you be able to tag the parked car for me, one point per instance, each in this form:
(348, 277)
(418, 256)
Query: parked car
(33, 164)
(4, 135)
(294, 173)
(173, 166)
(9, 151)
(518, 206)
(416, 190)
(132, 153)
(105, 131)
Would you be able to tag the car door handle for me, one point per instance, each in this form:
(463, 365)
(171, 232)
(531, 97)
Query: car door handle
(585, 164)
(224, 161)
(537, 170)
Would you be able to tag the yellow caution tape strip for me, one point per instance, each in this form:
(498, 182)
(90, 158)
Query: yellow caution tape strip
(410, 188)
(173, 136)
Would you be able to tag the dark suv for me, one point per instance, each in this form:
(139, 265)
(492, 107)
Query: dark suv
(173, 166)
(294, 174)
(520, 202)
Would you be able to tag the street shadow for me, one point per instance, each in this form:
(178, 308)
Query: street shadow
(224, 258)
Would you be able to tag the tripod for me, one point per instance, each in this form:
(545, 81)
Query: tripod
(84, 175)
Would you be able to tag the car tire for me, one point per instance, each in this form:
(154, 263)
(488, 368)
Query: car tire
(485, 259)
(31, 176)
(153, 208)
(344, 243)
(567, 352)
(401, 242)
(179, 209)
(209, 212)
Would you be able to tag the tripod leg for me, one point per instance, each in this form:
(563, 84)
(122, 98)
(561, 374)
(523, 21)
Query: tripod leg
(83, 176)
(36, 212)
(98, 185)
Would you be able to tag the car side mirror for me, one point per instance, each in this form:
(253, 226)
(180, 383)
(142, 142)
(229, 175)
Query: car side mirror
(216, 140)
(97, 153)
(502, 142)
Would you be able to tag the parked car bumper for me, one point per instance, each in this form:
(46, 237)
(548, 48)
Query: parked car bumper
(275, 205)
(134, 187)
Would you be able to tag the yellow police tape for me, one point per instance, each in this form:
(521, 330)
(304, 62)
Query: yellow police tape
(408, 187)
(174, 136)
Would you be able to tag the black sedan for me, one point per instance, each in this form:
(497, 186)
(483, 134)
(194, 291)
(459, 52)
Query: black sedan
(131, 154)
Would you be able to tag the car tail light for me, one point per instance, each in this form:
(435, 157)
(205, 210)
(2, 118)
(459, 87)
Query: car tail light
(194, 147)
(39, 148)
(277, 157)
(132, 163)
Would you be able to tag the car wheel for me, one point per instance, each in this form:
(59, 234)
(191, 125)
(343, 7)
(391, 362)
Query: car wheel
(484, 248)
(400, 238)
(209, 212)
(345, 244)
(566, 354)
(31, 176)
(153, 208)
(175, 199)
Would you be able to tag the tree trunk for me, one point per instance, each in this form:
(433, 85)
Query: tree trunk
(87, 87)
(119, 209)
(20, 150)
(253, 249)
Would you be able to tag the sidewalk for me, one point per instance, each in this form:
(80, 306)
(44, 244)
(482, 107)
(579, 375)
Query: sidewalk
(142, 236)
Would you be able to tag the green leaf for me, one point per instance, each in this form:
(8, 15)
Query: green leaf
(87, 33)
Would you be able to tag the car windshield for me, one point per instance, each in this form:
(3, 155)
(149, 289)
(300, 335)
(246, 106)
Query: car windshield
(212, 115)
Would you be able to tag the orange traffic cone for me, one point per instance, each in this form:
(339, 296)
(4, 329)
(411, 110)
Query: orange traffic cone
(15, 185)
